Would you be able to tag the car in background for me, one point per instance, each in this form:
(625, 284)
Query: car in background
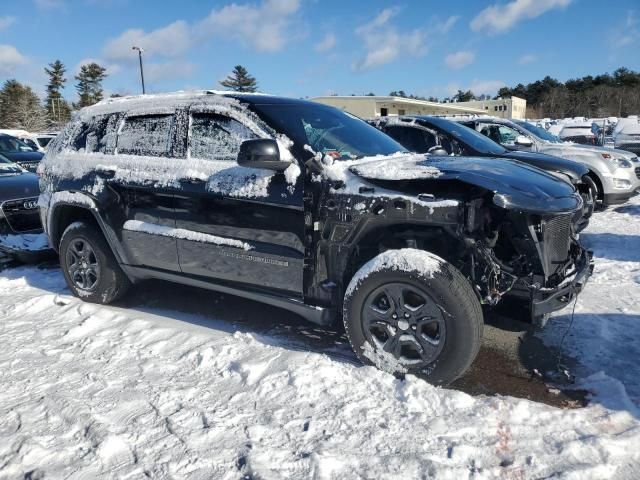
(19, 152)
(614, 172)
(21, 235)
(426, 134)
(579, 132)
(628, 138)
(37, 141)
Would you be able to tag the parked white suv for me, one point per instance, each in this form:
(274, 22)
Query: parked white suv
(616, 173)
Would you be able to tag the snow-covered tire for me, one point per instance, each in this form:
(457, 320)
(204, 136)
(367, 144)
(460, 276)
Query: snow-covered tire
(88, 265)
(410, 311)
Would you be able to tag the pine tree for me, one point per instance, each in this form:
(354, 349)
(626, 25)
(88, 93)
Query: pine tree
(58, 110)
(89, 84)
(20, 108)
(240, 80)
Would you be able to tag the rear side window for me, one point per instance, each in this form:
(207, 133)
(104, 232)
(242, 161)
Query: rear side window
(96, 135)
(145, 135)
(216, 137)
(413, 139)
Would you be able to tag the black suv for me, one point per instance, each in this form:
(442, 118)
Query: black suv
(305, 207)
(425, 134)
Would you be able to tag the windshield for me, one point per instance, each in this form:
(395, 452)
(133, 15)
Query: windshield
(328, 130)
(539, 132)
(7, 166)
(469, 136)
(13, 145)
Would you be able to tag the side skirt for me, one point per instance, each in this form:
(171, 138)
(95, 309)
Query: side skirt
(319, 315)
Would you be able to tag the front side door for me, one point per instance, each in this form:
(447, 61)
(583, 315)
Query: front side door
(237, 224)
(502, 134)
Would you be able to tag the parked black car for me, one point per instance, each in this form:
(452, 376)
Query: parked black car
(425, 134)
(20, 228)
(302, 206)
(19, 152)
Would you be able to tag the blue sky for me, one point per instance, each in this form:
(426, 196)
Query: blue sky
(317, 47)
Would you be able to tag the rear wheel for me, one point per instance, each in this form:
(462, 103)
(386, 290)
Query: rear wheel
(409, 311)
(89, 267)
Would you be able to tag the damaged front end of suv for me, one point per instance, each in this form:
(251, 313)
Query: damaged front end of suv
(507, 227)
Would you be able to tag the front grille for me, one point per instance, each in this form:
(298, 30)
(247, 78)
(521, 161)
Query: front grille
(557, 239)
(638, 172)
(22, 214)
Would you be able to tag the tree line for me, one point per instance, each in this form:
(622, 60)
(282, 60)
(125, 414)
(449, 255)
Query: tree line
(614, 94)
(20, 107)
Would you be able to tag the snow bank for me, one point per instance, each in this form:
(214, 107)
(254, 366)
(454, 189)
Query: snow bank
(100, 392)
(28, 242)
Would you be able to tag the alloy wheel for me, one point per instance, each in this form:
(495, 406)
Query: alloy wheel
(404, 321)
(82, 265)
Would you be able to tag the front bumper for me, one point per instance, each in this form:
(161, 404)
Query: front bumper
(547, 300)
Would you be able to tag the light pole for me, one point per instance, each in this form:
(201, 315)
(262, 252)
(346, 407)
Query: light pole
(140, 52)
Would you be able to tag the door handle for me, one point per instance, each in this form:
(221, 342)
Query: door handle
(106, 172)
(193, 180)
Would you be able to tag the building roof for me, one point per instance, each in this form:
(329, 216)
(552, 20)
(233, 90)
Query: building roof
(452, 107)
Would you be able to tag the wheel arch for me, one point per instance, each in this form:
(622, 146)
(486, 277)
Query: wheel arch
(437, 239)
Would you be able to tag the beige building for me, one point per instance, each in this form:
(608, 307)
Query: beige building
(372, 107)
(513, 107)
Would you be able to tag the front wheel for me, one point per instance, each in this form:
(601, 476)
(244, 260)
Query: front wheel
(409, 311)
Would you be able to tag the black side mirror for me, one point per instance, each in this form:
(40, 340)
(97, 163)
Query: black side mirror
(438, 151)
(261, 153)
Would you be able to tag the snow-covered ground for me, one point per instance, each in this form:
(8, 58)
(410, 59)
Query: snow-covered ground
(138, 392)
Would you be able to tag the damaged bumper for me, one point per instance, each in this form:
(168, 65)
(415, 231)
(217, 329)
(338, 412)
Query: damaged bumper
(547, 300)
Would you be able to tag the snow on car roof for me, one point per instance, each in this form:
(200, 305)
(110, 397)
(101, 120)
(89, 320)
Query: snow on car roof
(157, 102)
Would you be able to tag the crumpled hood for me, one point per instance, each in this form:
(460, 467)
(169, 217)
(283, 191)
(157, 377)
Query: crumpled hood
(515, 184)
(550, 163)
(22, 185)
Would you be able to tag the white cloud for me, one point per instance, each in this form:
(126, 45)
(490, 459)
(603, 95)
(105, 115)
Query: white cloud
(6, 22)
(489, 87)
(459, 60)
(173, 69)
(171, 41)
(444, 27)
(527, 59)
(327, 43)
(499, 18)
(265, 27)
(10, 59)
(383, 42)
(627, 33)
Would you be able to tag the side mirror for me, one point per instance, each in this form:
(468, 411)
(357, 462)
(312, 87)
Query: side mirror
(523, 141)
(261, 153)
(438, 151)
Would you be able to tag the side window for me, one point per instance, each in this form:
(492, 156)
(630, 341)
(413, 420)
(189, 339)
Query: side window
(145, 135)
(507, 135)
(216, 137)
(96, 135)
(412, 139)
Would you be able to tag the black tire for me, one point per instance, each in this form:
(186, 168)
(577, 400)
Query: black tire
(435, 296)
(88, 265)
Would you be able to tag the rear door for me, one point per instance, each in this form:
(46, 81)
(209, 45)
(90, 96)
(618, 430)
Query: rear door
(237, 224)
(145, 183)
